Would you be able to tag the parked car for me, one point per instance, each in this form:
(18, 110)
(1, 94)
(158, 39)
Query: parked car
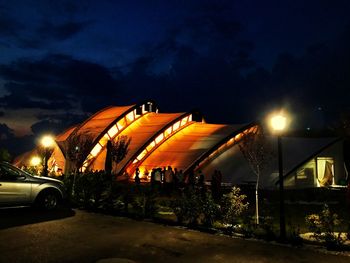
(18, 187)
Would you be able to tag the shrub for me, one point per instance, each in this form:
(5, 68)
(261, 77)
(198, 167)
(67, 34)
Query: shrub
(233, 206)
(294, 237)
(144, 202)
(323, 225)
(187, 208)
(209, 209)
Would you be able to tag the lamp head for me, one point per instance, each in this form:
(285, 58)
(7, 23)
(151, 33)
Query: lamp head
(278, 122)
(47, 141)
(35, 161)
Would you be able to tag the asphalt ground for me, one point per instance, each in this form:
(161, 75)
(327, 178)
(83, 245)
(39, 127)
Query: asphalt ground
(27, 235)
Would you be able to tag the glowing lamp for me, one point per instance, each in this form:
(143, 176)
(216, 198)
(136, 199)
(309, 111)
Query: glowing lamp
(47, 141)
(35, 161)
(278, 122)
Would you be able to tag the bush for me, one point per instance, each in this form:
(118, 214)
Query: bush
(89, 188)
(187, 208)
(323, 226)
(294, 237)
(209, 209)
(144, 202)
(233, 206)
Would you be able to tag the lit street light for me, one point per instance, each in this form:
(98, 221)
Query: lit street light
(35, 161)
(47, 142)
(278, 123)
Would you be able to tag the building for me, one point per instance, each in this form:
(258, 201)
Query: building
(184, 141)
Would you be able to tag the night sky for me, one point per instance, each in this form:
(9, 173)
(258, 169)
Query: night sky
(60, 61)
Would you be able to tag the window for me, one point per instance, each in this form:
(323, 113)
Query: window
(325, 171)
(305, 175)
(8, 173)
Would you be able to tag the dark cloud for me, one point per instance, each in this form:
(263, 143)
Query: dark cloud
(313, 85)
(15, 145)
(201, 63)
(56, 123)
(62, 31)
(9, 26)
(57, 82)
(5, 132)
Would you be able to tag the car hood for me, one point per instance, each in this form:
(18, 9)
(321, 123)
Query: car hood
(43, 179)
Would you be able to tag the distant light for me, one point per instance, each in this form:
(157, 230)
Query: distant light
(319, 108)
(35, 161)
(47, 141)
(308, 128)
(278, 122)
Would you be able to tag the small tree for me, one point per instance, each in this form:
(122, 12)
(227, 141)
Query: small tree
(257, 151)
(44, 154)
(116, 151)
(234, 205)
(77, 148)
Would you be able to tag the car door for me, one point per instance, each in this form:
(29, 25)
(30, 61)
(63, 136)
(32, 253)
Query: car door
(15, 189)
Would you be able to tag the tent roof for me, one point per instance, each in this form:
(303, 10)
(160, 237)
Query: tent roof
(183, 148)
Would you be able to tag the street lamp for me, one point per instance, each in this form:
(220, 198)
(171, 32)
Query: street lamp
(47, 142)
(278, 123)
(35, 161)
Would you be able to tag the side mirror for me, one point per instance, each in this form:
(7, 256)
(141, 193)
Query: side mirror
(21, 178)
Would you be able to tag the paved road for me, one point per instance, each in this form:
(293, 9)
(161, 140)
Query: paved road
(77, 236)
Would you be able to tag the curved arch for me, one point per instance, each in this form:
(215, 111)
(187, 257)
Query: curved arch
(223, 144)
(116, 126)
(156, 140)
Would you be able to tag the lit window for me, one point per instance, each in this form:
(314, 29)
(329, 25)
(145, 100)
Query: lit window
(113, 131)
(141, 155)
(190, 118)
(167, 132)
(150, 146)
(96, 150)
(121, 124)
(176, 126)
(130, 117)
(103, 141)
(238, 136)
(159, 138)
(135, 161)
(184, 121)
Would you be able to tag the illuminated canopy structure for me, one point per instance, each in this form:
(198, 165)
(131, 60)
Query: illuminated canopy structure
(179, 140)
(184, 141)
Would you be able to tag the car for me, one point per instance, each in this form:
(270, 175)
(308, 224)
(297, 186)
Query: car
(19, 188)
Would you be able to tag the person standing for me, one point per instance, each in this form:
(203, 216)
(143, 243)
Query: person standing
(168, 179)
(137, 177)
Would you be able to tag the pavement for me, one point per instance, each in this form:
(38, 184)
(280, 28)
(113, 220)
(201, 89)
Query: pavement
(66, 235)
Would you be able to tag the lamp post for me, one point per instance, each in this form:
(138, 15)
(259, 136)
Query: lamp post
(47, 142)
(278, 124)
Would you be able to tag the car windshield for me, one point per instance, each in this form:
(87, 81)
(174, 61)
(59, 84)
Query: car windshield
(12, 170)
